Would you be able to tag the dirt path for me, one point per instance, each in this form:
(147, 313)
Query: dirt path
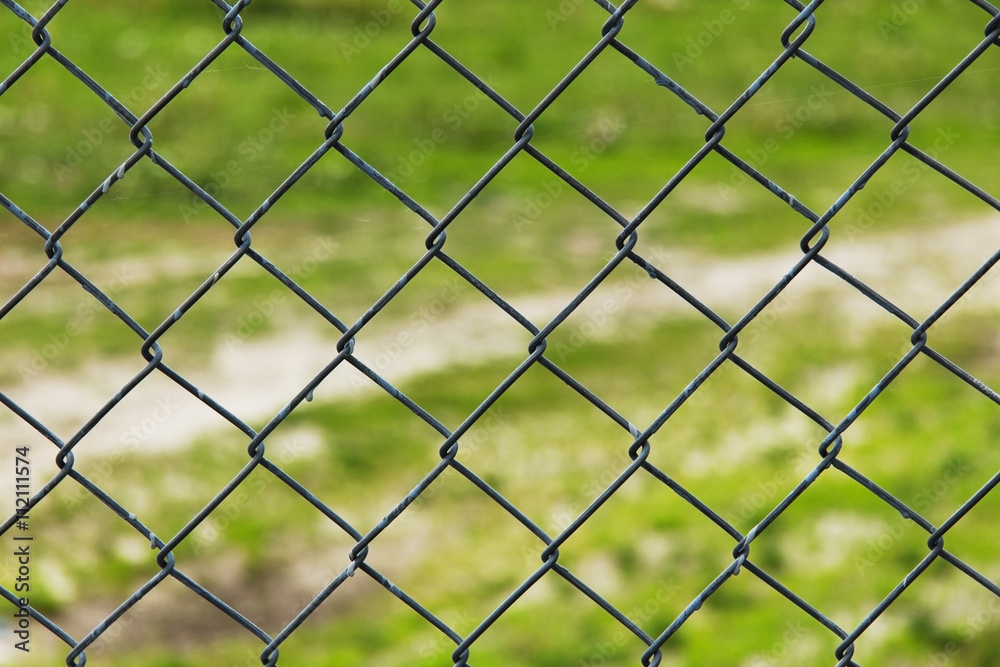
(917, 271)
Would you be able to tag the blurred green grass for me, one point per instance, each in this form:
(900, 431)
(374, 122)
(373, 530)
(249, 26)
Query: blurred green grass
(661, 132)
(647, 551)
(644, 538)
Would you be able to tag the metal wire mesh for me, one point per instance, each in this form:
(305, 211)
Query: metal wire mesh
(336, 142)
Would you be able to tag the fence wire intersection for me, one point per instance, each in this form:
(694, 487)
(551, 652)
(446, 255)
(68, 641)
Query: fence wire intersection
(817, 231)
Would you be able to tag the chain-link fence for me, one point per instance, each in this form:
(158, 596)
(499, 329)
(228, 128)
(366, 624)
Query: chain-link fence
(547, 350)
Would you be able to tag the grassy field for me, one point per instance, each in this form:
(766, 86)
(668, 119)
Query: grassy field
(238, 132)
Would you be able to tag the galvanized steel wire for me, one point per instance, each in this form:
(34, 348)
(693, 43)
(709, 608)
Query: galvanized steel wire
(335, 144)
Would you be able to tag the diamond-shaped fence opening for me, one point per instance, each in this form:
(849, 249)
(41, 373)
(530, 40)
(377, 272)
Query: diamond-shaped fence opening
(563, 332)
